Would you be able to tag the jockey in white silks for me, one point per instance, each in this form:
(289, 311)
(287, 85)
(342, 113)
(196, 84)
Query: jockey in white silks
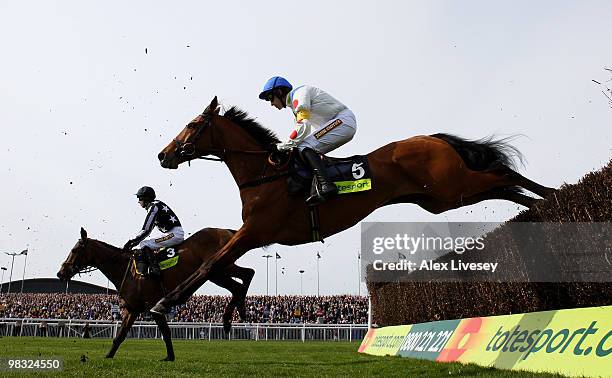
(322, 124)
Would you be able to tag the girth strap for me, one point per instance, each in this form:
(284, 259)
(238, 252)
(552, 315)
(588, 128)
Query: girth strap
(314, 224)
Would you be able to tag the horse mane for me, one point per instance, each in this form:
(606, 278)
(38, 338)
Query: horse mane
(115, 251)
(261, 134)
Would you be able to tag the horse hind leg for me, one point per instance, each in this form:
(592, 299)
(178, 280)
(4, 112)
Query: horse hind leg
(161, 322)
(508, 194)
(234, 287)
(425, 201)
(246, 276)
(532, 186)
(436, 206)
(499, 183)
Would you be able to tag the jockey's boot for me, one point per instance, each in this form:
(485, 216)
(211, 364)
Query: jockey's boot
(325, 189)
(140, 258)
(154, 270)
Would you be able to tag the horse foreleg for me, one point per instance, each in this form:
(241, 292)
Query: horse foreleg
(230, 252)
(161, 322)
(126, 324)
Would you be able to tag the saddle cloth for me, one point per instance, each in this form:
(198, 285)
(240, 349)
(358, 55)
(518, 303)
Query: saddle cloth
(168, 257)
(351, 175)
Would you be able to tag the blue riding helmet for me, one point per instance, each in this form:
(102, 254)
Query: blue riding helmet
(273, 83)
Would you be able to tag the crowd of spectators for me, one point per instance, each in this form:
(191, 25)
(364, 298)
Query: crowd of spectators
(336, 309)
(57, 306)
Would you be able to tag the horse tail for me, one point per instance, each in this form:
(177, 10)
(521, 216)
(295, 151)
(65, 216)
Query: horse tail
(486, 153)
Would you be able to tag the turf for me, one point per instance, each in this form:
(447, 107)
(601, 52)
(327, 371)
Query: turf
(140, 358)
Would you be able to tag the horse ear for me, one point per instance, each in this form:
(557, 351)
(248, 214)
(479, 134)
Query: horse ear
(83, 234)
(214, 106)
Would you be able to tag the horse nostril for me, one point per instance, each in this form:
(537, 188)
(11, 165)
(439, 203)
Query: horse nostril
(161, 156)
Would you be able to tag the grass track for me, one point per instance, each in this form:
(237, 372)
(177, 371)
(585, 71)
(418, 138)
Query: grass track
(140, 358)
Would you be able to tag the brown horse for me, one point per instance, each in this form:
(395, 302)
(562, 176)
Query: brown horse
(138, 293)
(438, 173)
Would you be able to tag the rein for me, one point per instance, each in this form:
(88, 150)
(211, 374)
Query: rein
(86, 270)
(263, 180)
(252, 183)
(127, 269)
(224, 152)
(89, 269)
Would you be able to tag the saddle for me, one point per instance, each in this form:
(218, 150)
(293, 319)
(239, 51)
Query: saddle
(166, 257)
(350, 174)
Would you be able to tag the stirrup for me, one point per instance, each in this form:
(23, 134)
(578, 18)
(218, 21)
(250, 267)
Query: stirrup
(319, 198)
(154, 273)
(314, 200)
(315, 197)
(154, 269)
(142, 268)
(140, 262)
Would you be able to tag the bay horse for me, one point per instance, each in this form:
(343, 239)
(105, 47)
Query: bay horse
(138, 293)
(438, 172)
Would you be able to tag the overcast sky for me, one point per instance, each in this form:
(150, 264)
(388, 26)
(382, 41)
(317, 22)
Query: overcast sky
(84, 110)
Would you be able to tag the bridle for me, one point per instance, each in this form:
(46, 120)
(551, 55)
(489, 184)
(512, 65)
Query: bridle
(187, 149)
(88, 269)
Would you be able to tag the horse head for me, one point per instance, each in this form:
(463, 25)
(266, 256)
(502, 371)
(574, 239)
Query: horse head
(78, 260)
(195, 140)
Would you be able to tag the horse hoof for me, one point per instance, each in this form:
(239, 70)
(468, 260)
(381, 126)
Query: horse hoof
(108, 356)
(168, 359)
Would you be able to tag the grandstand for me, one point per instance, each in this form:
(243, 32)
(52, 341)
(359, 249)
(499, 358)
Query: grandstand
(53, 285)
